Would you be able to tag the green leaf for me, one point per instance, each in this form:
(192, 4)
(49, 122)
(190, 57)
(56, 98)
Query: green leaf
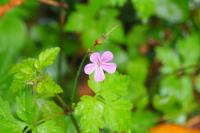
(46, 58)
(108, 104)
(49, 127)
(174, 98)
(138, 70)
(179, 9)
(163, 9)
(190, 43)
(8, 123)
(48, 86)
(113, 112)
(50, 109)
(9, 37)
(169, 59)
(109, 88)
(144, 119)
(91, 111)
(84, 14)
(23, 73)
(145, 8)
(27, 109)
(11, 42)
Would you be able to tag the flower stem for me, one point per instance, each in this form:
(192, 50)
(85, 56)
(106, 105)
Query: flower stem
(77, 78)
(66, 109)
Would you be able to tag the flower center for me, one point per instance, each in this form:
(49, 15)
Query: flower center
(98, 63)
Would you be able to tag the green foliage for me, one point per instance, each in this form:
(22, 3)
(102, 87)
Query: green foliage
(174, 97)
(7, 120)
(145, 8)
(27, 109)
(91, 110)
(174, 59)
(11, 42)
(144, 119)
(29, 73)
(48, 127)
(48, 86)
(92, 27)
(107, 106)
(163, 9)
(46, 58)
(156, 45)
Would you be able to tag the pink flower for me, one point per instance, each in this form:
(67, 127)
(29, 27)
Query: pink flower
(100, 63)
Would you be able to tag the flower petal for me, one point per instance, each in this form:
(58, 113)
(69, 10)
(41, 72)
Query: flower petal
(106, 56)
(95, 57)
(109, 67)
(89, 68)
(99, 74)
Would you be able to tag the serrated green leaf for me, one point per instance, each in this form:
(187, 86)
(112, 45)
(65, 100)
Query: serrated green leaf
(48, 86)
(108, 88)
(7, 122)
(23, 73)
(27, 109)
(109, 103)
(113, 111)
(49, 127)
(46, 58)
(91, 111)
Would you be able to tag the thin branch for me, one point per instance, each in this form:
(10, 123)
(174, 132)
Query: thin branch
(77, 77)
(10, 5)
(75, 123)
(54, 3)
(67, 110)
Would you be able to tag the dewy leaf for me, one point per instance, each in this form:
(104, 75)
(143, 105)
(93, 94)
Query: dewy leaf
(27, 109)
(48, 86)
(91, 111)
(46, 58)
(8, 123)
(49, 127)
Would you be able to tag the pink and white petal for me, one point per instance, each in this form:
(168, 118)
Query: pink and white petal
(89, 68)
(109, 67)
(95, 57)
(99, 74)
(106, 56)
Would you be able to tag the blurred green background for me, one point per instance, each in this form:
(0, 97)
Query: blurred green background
(157, 43)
